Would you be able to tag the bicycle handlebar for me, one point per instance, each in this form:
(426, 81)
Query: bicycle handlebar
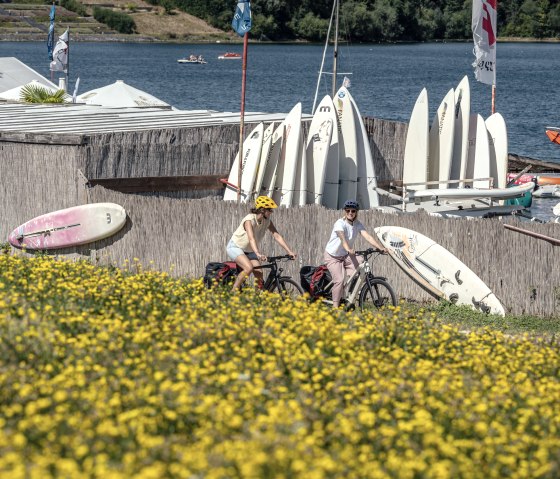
(285, 257)
(369, 252)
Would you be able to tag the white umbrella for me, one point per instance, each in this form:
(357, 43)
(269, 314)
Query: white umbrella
(119, 94)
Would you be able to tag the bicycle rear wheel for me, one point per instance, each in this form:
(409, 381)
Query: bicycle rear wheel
(377, 293)
(289, 289)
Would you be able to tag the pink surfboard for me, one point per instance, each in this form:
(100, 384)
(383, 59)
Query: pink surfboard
(70, 227)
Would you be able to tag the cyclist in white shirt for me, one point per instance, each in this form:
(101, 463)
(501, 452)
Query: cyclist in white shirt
(340, 255)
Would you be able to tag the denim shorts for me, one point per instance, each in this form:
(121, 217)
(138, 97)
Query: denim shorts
(233, 251)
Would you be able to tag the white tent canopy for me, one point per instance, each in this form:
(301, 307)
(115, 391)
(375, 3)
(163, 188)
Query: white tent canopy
(15, 93)
(119, 94)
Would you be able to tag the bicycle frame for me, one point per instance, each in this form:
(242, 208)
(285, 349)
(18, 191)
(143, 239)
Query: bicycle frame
(357, 279)
(275, 273)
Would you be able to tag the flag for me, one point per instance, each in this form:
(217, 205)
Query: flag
(346, 82)
(60, 54)
(484, 27)
(242, 19)
(50, 37)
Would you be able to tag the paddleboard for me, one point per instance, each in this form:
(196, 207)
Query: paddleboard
(265, 156)
(269, 175)
(348, 149)
(317, 148)
(416, 150)
(441, 140)
(251, 156)
(553, 135)
(461, 135)
(478, 162)
(437, 270)
(471, 193)
(367, 180)
(556, 210)
(287, 164)
(498, 149)
(524, 178)
(69, 227)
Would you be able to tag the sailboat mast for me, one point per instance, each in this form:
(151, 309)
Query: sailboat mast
(335, 53)
(323, 59)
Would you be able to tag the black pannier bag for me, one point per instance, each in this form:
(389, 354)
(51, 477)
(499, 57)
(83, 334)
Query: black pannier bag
(219, 273)
(314, 279)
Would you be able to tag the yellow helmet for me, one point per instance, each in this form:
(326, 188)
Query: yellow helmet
(265, 202)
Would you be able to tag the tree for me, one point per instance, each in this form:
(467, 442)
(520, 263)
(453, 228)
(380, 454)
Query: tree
(40, 94)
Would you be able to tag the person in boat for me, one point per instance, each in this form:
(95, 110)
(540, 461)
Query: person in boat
(192, 58)
(244, 245)
(340, 255)
(200, 59)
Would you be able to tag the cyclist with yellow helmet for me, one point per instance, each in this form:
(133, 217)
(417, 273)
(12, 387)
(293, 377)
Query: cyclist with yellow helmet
(243, 247)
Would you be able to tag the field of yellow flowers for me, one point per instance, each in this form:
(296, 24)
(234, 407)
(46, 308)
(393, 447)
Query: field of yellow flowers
(121, 373)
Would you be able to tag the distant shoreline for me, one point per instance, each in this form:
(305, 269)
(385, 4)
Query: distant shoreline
(122, 38)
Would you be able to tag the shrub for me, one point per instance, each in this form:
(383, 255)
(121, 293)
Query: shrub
(74, 6)
(121, 22)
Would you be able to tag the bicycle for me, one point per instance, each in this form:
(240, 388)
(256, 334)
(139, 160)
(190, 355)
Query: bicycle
(362, 286)
(275, 282)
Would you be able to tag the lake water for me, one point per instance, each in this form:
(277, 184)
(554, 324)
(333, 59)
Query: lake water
(385, 79)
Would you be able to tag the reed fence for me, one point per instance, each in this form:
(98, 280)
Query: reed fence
(180, 231)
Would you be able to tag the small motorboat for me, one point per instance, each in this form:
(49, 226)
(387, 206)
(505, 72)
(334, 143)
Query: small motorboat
(230, 56)
(193, 59)
(553, 134)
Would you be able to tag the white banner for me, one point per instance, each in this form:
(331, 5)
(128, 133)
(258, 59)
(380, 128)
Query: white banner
(60, 54)
(484, 27)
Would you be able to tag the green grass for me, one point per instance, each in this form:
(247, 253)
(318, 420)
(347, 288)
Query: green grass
(467, 319)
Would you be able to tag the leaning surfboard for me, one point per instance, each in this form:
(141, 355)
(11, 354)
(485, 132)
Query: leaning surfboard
(478, 158)
(416, 151)
(498, 148)
(441, 140)
(461, 116)
(367, 179)
(348, 149)
(437, 270)
(265, 157)
(288, 161)
(251, 156)
(317, 148)
(69, 227)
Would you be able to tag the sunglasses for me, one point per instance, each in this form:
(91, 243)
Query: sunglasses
(351, 211)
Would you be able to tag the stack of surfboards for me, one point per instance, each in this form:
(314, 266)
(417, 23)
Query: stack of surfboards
(333, 164)
(460, 146)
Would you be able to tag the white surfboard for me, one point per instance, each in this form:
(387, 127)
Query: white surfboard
(471, 193)
(437, 270)
(251, 156)
(461, 116)
(498, 149)
(300, 193)
(556, 210)
(348, 149)
(287, 164)
(330, 189)
(269, 175)
(416, 151)
(317, 148)
(265, 156)
(367, 180)
(441, 140)
(478, 158)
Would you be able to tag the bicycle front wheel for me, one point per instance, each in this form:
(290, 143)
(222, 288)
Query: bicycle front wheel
(289, 289)
(377, 293)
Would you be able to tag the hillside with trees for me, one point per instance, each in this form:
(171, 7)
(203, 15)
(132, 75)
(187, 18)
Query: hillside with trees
(377, 20)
